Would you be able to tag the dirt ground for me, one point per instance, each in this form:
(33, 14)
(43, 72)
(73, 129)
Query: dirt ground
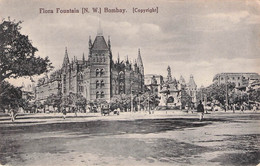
(172, 138)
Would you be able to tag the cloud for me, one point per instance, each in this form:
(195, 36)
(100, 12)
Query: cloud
(233, 17)
(193, 37)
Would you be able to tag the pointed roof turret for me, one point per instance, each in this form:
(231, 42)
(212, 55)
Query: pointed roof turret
(99, 43)
(127, 61)
(66, 58)
(139, 59)
(83, 57)
(182, 80)
(169, 75)
(118, 58)
(192, 83)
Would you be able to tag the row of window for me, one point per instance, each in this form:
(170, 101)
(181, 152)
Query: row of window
(99, 72)
(99, 59)
(100, 84)
(100, 95)
(233, 78)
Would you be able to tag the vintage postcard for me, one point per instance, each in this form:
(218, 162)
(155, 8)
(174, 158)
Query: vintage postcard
(129, 82)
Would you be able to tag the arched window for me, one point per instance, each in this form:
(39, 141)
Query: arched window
(102, 84)
(80, 76)
(97, 72)
(97, 95)
(102, 95)
(97, 84)
(101, 72)
(121, 75)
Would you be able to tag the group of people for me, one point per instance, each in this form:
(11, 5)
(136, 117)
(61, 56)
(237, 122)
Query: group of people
(234, 107)
(242, 107)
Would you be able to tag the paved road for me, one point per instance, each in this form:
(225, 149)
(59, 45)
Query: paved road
(174, 138)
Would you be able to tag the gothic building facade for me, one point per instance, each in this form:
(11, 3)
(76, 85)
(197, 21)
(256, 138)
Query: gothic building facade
(99, 77)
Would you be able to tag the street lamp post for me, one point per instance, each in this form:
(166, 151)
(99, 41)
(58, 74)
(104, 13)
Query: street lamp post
(131, 100)
(226, 93)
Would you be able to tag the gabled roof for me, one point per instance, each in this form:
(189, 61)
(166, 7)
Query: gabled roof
(99, 43)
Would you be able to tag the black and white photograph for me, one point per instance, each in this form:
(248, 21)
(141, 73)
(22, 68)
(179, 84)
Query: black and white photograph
(129, 82)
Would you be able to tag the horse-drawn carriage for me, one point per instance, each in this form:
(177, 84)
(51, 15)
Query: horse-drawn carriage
(105, 110)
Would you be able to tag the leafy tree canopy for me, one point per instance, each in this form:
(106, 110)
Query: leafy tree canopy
(17, 54)
(11, 97)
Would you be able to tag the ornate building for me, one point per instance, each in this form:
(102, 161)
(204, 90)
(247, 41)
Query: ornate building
(173, 91)
(98, 77)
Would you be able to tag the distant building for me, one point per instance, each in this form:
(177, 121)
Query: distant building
(47, 86)
(240, 79)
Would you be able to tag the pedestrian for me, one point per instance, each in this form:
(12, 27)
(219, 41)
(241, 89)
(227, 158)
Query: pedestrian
(242, 108)
(254, 108)
(64, 113)
(234, 108)
(75, 111)
(192, 107)
(200, 109)
(12, 114)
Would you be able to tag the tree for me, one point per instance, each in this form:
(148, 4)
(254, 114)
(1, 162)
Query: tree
(17, 59)
(185, 99)
(17, 54)
(254, 95)
(217, 92)
(11, 96)
(81, 102)
(74, 100)
(54, 100)
(121, 101)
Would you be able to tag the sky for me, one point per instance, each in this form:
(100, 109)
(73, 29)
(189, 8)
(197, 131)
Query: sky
(197, 37)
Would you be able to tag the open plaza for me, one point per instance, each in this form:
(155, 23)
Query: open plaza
(171, 137)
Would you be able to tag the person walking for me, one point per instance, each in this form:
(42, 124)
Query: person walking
(234, 108)
(254, 108)
(64, 113)
(242, 108)
(200, 109)
(12, 114)
(192, 107)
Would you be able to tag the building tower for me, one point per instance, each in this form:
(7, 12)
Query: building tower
(192, 89)
(65, 74)
(100, 68)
